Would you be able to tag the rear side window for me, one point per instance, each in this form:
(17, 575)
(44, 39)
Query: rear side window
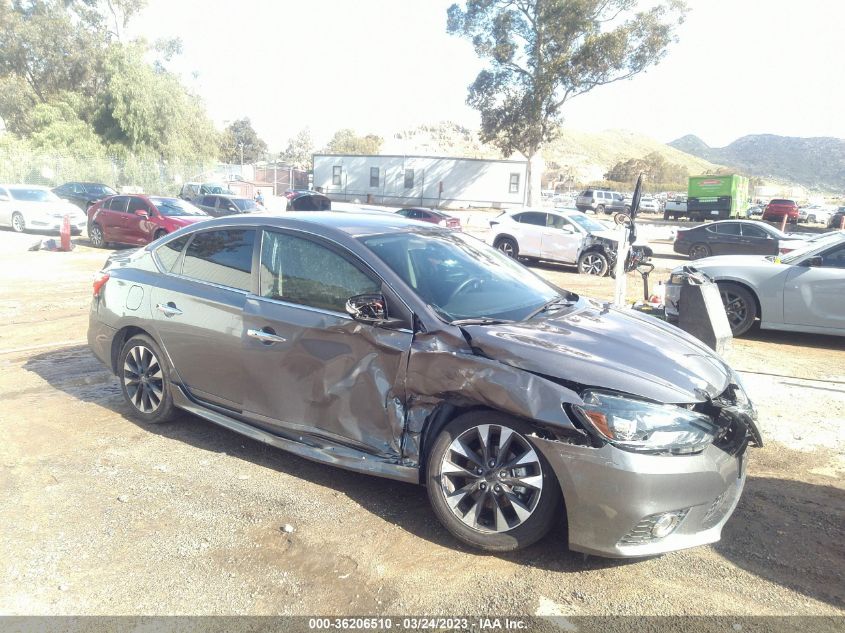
(118, 203)
(168, 254)
(728, 229)
(538, 219)
(209, 201)
(222, 257)
(307, 273)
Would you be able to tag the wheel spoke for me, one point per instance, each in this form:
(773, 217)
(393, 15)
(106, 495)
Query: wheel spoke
(522, 511)
(505, 437)
(461, 448)
(484, 438)
(473, 514)
(450, 468)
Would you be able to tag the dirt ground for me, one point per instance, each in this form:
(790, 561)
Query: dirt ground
(102, 515)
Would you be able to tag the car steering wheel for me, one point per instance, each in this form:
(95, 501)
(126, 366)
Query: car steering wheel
(463, 286)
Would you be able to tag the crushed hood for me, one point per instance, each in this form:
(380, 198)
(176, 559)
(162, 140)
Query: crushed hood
(608, 348)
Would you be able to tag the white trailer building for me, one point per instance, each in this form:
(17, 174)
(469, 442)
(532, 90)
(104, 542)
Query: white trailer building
(426, 181)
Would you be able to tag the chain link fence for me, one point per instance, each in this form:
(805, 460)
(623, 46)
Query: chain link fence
(130, 174)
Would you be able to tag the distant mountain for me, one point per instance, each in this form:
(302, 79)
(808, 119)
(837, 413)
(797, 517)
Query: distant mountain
(815, 163)
(590, 155)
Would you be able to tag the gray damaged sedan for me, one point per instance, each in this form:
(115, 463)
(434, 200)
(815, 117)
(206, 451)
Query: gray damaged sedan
(404, 350)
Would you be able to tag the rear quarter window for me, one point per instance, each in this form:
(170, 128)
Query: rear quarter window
(221, 257)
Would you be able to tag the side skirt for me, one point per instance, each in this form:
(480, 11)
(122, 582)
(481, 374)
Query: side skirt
(323, 452)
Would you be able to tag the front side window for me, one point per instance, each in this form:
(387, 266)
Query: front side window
(409, 178)
(136, 204)
(337, 172)
(222, 257)
(300, 271)
(834, 258)
(514, 183)
(245, 205)
(374, 176)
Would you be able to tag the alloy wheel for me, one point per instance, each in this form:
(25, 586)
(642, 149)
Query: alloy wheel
(18, 224)
(593, 264)
(699, 251)
(143, 379)
(96, 236)
(507, 248)
(735, 308)
(491, 478)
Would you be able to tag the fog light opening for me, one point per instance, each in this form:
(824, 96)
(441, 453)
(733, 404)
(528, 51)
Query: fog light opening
(665, 524)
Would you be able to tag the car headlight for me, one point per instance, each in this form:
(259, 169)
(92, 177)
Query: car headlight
(640, 426)
(740, 394)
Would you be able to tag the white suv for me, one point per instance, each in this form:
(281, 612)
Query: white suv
(563, 236)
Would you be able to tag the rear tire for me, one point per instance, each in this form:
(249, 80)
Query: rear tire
(699, 251)
(145, 380)
(600, 209)
(96, 236)
(740, 307)
(593, 263)
(503, 508)
(508, 246)
(18, 223)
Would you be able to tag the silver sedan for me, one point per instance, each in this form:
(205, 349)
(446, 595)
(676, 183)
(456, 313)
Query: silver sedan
(803, 291)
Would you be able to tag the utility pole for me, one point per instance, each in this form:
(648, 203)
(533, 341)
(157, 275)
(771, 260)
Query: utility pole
(242, 158)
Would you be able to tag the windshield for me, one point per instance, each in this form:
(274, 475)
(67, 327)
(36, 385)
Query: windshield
(175, 206)
(245, 204)
(100, 190)
(818, 244)
(586, 223)
(33, 195)
(460, 277)
(218, 189)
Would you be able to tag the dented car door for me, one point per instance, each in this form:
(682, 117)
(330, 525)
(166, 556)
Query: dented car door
(311, 369)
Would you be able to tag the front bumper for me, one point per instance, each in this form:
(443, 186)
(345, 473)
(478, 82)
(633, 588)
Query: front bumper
(610, 493)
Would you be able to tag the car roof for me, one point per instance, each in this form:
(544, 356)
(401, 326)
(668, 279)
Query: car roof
(24, 185)
(351, 224)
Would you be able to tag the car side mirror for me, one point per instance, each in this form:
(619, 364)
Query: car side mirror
(368, 308)
(814, 262)
(4, 198)
(567, 229)
(142, 214)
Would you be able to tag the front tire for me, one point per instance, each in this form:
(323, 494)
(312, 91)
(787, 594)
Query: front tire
(489, 485)
(508, 246)
(740, 307)
(593, 263)
(159, 234)
(18, 223)
(145, 380)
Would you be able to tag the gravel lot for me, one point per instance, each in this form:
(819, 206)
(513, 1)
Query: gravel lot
(104, 516)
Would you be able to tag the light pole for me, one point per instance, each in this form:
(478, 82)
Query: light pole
(241, 144)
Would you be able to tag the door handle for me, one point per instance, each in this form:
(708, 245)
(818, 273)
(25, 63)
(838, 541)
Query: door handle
(168, 309)
(265, 337)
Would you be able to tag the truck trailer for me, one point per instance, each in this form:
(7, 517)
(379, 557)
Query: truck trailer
(717, 197)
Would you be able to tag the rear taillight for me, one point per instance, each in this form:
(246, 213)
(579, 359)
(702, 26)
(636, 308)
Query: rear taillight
(443, 223)
(783, 250)
(680, 234)
(100, 280)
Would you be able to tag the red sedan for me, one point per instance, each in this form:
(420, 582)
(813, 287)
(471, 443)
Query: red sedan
(138, 220)
(430, 215)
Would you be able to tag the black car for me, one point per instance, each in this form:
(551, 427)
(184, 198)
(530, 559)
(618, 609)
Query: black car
(219, 205)
(309, 201)
(84, 194)
(835, 221)
(730, 237)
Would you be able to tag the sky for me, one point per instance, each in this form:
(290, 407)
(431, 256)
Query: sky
(378, 66)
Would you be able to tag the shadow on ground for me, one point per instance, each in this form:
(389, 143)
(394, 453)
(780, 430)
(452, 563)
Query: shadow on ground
(787, 532)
